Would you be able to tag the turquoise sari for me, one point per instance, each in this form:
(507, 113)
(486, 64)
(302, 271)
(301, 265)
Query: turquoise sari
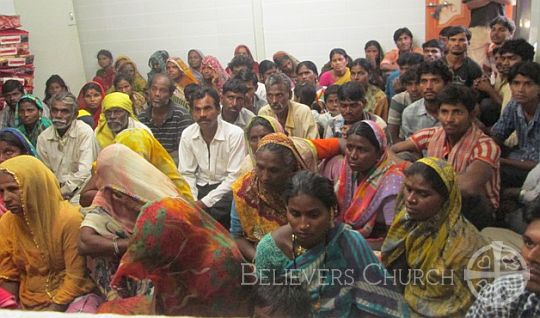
(343, 276)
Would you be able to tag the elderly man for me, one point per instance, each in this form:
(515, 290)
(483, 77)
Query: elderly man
(68, 147)
(295, 118)
(212, 152)
(166, 119)
(118, 110)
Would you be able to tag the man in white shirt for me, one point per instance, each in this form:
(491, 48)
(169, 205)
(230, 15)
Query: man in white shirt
(233, 99)
(210, 154)
(68, 147)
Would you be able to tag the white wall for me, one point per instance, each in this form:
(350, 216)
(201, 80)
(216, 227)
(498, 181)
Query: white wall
(307, 29)
(53, 41)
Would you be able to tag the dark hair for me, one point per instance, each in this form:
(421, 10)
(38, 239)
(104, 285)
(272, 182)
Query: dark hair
(436, 68)
(455, 94)
(259, 121)
(351, 91)
(459, 29)
(53, 79)
(338, 51)
(283, 152)
(504, 21)
(11, 85)
(444, 31)
(171, 84)
(332, 89)
(364, 130)
(364, 63)
(188, 92)
(400, 32)
(241, 60)
(201, 93)
(528, 69)
(410, 58)
(409, 76)
(433, 43)
(12, 140)
(234, 85)
(122, 77)
(247, 76)
(279, 60)
(307, 93)
(266, 65)
(89, 86)
(309, 65)
(519, 47)
(312, 184)
(531, 211)
(378, 46)
(107, 53)
(291, 299)
(430, 175)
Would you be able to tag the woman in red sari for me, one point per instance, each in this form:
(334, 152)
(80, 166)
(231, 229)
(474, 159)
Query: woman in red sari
(90, 98)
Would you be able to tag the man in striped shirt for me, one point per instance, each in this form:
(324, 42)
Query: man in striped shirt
(473, 154)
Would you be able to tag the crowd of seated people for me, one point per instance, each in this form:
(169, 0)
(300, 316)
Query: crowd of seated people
(279, 188)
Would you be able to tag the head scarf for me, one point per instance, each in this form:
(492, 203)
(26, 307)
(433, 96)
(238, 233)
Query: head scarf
(441, 245)
(25, 143)
(282, 140)
(192, 261)
(41, 124)
(220, 76)
(237, 49)
(198, 52)
(159, 57)
(83, 105)
(143, 143)
(384, 176)
(276, 128)
(39, 234)
(188, 77)
(139, 83)
(104, 135)
(121, 169)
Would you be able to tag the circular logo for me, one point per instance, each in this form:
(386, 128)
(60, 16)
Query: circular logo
(493, 261)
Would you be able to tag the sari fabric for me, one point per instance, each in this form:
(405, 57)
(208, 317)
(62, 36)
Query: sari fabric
(39, 247)
(355, 204)
(366, 285)
(146, 145)
(441, 245)
(82, 104)
(220, 76)
(159, 57)
(196, 73)
(41, 124)
(377, 102)
(105, 77)
(104, 135)
(139, 83)
(261, 211)
(193, 262)
(186, 79)
(328, 78)
(255, 64)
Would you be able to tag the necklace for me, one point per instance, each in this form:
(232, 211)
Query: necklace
(297, 248)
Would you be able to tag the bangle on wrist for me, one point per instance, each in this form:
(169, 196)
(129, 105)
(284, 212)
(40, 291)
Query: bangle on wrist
(115, 245)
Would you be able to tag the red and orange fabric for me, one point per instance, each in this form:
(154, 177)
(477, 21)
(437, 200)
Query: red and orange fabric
(192, 261)
(84, 106)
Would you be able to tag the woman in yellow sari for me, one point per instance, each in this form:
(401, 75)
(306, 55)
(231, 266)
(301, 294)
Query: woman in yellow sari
(431, 240)
(340, 73)
(38, 250)
(180, 73)
(124, 65)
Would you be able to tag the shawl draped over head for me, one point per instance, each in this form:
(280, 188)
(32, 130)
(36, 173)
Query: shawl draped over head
(220, 76)
(139, 83)
(41, 124)
(104, 135)
(193, 262)
(146, 145)
(187, 75)
(84, 106)
(39, 246)
(354, 204)
(25, 143)
(441, 245)
(260, 211)
(274, 123)
(255, 64)
(121, 169)
(196, 73)
(159, 57)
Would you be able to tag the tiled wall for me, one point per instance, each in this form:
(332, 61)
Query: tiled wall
(307, 29)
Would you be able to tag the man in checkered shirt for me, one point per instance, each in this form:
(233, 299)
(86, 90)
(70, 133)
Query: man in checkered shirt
(512, 295)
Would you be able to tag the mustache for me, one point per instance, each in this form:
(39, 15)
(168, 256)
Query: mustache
(59, 122)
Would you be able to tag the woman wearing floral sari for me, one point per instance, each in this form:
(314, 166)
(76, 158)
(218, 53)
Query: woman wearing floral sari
(429, 235)
(213, 73)
(191, 260)
(257, 207)
(339, 270)
(182, 76)
(29, 117)
(368, 183)
(38, 250)
(126, 182)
